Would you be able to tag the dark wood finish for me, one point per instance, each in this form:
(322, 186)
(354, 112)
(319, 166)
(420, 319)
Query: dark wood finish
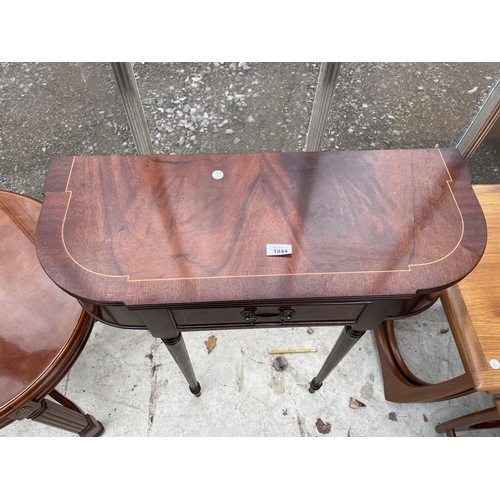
(346, 341)
(60, 417)
(270, 315)
(401, 385)
(472, 308)
(156, 230)
(375, 235)
(64, 401)
(484, 419)
(178, 350)
(42, 330)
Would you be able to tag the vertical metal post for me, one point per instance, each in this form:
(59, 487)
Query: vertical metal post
(327, 80)
(481, 124)
(125, 79)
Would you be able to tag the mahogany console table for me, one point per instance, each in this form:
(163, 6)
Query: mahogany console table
(180, 243)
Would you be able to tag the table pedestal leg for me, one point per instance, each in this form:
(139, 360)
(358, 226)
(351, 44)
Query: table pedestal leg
(177, 349)
(344, 344)
(67, 417)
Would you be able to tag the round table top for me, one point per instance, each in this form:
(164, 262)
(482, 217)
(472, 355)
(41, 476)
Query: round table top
(42, 328)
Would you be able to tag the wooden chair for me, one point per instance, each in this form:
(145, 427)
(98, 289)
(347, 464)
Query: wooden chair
(42, 329)
(484, 419)
(472, 308)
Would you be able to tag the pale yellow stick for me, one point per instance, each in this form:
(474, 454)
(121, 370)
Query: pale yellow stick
(292, 351)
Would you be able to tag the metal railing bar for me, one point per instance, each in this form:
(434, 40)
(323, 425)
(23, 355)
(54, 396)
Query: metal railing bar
(127, 85)
(325, 89)
(481, 124)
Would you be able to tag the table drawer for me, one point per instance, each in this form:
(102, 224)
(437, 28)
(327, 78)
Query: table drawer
(321, 313)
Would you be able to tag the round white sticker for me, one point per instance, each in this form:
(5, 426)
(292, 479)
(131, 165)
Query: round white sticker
(495, 364)
(217, 174)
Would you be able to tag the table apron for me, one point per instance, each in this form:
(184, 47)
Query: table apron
(166, 322)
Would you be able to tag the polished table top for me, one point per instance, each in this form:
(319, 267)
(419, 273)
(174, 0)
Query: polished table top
(156, 230)
(42, 329)
(181, 243)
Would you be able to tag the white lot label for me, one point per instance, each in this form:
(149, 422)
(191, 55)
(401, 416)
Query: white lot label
(274, 249)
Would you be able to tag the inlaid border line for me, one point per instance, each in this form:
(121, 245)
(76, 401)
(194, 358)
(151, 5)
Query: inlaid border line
(262, 275)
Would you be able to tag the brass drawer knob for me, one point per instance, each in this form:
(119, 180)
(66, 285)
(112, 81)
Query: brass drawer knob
(248, 316)
(287, 314)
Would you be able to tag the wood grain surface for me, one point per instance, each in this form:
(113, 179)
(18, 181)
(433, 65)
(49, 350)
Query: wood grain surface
(150, 230)
(42, 329)
(473, 305)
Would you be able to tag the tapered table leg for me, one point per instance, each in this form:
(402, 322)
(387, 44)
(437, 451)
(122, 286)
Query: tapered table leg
(160, 325)
(344, 344)
(177, 349)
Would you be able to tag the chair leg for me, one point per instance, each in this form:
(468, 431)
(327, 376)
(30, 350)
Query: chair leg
(484, 419)
(401, 385)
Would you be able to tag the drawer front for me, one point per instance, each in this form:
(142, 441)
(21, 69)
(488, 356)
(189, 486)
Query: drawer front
(270, 315)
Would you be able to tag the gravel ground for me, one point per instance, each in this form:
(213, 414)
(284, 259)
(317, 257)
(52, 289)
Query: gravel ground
(50, 109)
(407, 105)
(227, 107)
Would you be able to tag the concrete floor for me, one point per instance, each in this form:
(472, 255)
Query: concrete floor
(126, 379)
